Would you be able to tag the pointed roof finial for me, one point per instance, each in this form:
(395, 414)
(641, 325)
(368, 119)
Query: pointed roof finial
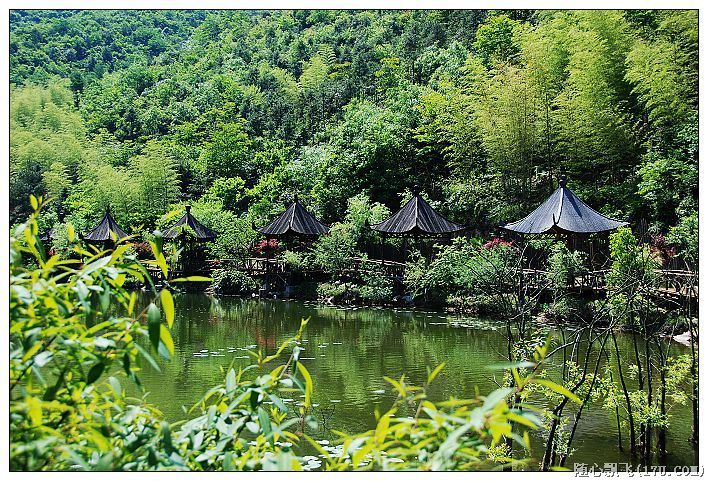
(188, 208)
(563, 180)
(416, 189)
(296, 198)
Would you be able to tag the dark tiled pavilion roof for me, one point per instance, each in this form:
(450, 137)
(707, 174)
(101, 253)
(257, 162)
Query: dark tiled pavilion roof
(200, 231)
(417, 217)
(564, 212)
(295, 220)
(102, 232)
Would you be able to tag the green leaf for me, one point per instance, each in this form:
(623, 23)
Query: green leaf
(166, 339)
(435, 372)
(43, 358)
(495, 397)
(160, 258)
(95, 372)
(166, 433)
(511, 365)
(34, 410)
(168, 306)
(230, 381)
(146, 355)
(557, 388)
(153, 315)
(115, 385)
(264, 421)
(192, 279)
(522, 419)
(126, 363)
(228, 461)
(308, 383)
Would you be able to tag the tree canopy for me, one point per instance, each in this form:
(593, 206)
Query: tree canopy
(144, 111)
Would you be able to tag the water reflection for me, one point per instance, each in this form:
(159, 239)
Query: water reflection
(348, 352)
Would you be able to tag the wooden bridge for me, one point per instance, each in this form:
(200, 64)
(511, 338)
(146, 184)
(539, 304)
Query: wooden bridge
(670, 284)
(262, 266)
(675, 285)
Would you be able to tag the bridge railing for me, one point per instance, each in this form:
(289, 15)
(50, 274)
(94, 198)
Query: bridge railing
(670, 281)
(678, 282)
(252, 264)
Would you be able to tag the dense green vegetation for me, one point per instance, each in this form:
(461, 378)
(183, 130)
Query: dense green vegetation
(236, 111)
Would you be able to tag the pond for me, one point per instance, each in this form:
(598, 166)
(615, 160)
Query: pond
(349, 350)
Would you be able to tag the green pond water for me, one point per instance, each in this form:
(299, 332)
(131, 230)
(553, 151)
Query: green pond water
(348, 351)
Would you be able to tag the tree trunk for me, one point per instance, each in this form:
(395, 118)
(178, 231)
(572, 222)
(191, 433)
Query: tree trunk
(640, 381)
(647, 444)
(661, 434)
(630, 414)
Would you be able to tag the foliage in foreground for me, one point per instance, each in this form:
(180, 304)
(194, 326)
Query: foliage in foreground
(77, 340)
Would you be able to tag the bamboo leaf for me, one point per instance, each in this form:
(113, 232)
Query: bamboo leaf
(192, 279)
(153, 315)
(168, 306)
(95, 372)
(308, 383)
(495, 397)
(266, 427)
(115, 385)
(435, 372)
(34, 410)
(166, 339)
(557, 388)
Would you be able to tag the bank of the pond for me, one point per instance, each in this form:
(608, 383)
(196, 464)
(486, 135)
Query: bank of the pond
(349, 350)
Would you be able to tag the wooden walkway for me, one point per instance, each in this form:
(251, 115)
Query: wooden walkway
(261, 266)
(258, 266)
(671, 284)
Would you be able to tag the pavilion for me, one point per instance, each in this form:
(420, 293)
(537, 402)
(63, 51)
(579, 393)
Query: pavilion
(201, 232)
(417, 218)
(296, 221)
(564, 213)
(107, 230)
(190, 229)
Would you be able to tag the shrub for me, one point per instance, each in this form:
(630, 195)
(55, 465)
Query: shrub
(331, 291)
(466, 267)
(227, 280)
(685, 237)
(563, 265)
(297, 261)
(376, 288)
(632, 264)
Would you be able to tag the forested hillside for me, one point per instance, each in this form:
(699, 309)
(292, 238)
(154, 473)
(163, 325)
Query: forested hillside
(236, 111)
